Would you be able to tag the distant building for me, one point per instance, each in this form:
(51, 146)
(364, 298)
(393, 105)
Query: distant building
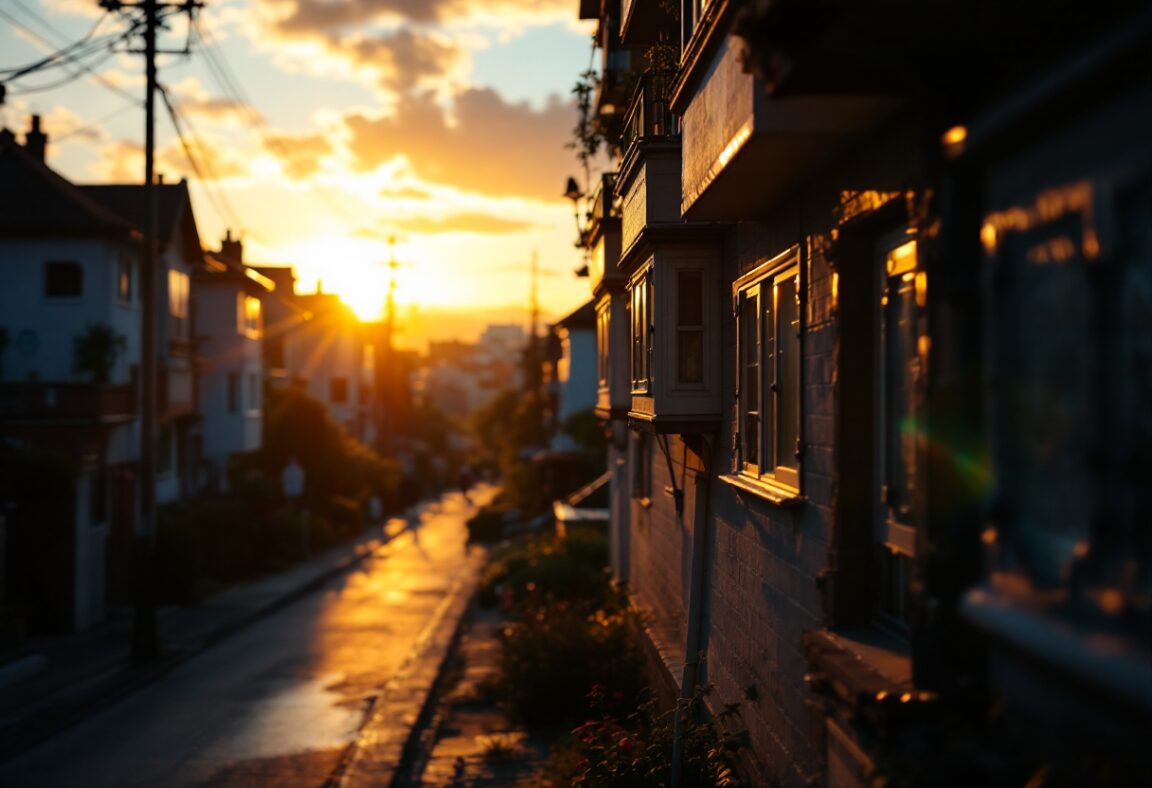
(229, 299)
(575, 370)
(459, 377)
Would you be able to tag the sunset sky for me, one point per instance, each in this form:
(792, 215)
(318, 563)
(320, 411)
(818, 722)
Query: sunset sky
(441, 122)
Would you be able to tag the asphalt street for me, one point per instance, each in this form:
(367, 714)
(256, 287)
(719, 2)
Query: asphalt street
(278, 703)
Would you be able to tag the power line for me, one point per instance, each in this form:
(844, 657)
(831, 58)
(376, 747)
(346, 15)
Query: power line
(98, 122)
(101, 79)
(219, 202)
(230, 85)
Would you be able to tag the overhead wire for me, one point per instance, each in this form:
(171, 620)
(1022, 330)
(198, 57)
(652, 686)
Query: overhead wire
(99, 78)
(224, 76)
(204, 171)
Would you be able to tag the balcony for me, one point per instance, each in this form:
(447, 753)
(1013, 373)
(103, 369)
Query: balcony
(643, 21)
(66, 403)
(649, 179)
(735, 135)
(602, 238)
(175, 395)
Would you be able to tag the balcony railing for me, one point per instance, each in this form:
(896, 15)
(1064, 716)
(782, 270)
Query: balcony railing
(602, 205)
(66, 402)
(649, 116)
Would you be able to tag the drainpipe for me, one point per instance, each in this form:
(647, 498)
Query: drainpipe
(695, 636)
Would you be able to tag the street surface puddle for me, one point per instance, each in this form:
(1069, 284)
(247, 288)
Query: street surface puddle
(298, 716)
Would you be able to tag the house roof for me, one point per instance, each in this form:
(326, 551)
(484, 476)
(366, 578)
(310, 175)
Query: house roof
(37, 201)
(582, 317)
(219, 267)
(173, 209)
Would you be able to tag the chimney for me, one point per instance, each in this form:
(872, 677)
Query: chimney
(159, 179)
(232, 249)
(36, 141)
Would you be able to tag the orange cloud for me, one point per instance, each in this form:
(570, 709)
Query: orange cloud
(299, 154)
(478, 223)
(312, 16)
(495, 147)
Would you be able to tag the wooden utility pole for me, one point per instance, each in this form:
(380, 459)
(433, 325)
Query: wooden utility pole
(145, 640)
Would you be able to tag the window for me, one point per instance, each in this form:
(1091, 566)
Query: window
(642, 332)
(249, 316)
(63, 279)
(253, 391)
(338, 390)
(768, 391)
(902, 291)
(603, 316)
(178, 303)
(233, 392)
(689, 326)
(124, 280)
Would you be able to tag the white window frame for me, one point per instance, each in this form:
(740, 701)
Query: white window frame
(771, 463)
(641, 292)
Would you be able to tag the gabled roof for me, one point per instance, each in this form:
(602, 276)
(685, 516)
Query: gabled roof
(173, 209)
(583, 316)
(36, 201)
(219, 267)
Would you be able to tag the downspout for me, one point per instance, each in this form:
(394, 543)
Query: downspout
(695, 635)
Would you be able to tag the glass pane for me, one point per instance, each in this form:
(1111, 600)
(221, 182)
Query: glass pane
(901, 370)
(787, 391)
(689, 298)
(750, 378)
(690, 355)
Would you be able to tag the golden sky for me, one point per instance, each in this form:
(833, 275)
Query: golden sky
(322, 128)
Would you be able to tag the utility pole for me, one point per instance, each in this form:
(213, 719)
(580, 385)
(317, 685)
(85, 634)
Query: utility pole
(145, 640)
(386, 384)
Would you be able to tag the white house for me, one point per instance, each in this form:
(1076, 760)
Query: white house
(181, 254)
(227, 299)
(69, 348)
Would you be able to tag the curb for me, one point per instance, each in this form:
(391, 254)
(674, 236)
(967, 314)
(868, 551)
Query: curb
(382, 754)
(119, 684)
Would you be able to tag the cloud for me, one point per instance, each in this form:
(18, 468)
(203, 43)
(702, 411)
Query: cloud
(406, 58)
(312, 16)
(405, 193)
(495, 147)
(299, 154)
(477, 223)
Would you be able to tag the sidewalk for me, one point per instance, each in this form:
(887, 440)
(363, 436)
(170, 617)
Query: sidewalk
(85, 672)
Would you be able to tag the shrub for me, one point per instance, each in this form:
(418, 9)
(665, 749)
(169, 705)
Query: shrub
(487, 525)
(636, 750)
(544, 569)
(552, 658)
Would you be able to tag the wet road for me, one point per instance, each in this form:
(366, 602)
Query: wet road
(278, 703)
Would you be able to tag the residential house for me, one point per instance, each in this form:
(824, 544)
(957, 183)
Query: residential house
(178, 427)
(886, 271)
(575, 371)
(228, 300)
(70, 322)
(329, 355)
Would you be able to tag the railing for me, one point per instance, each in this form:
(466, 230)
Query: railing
(602, 204)
(649, 115)
(77, 402)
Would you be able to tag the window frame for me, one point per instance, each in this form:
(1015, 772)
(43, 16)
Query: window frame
(641, 291)
(768, 464)
(896, 521)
